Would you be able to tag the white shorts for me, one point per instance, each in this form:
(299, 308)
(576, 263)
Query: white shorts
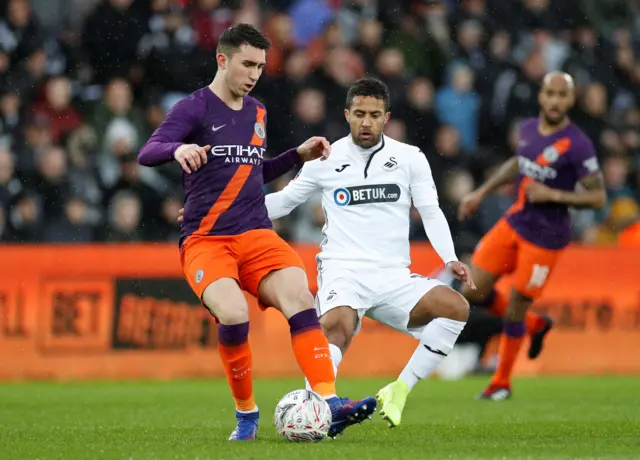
(384, 295)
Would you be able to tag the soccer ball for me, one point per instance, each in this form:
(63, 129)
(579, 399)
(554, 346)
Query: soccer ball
(303, 416)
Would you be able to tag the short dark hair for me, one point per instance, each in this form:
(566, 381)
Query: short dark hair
(368, 86)
(235, 36)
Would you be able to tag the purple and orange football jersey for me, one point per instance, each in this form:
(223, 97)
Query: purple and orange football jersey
(225, 196)
(558, 161)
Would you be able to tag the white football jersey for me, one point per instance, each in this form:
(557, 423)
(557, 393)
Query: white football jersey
(366, 200)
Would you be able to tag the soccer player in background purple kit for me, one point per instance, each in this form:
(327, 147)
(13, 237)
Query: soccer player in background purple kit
(218, 135)
(553, 157)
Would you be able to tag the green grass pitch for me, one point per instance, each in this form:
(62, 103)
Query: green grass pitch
(549, 418)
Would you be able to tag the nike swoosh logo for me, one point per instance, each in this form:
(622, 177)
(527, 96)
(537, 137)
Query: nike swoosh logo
(214, 128)
(434, 350)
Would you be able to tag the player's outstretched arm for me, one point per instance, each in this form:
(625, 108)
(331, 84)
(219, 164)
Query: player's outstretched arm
(311, 149)
(437, 229)
(505, 174)
(280, 204)
(167, 142)
(425, 199)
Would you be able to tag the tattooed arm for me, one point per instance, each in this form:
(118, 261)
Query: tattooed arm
(594, 195)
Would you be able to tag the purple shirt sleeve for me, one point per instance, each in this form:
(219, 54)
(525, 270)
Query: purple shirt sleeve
(283, 163)
(172, 133)
(584, 159)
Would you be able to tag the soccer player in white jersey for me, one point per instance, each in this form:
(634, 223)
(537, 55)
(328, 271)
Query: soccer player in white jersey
(368, 185)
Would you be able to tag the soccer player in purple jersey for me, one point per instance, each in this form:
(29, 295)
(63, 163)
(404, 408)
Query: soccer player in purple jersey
(553, 157)
(218, 136)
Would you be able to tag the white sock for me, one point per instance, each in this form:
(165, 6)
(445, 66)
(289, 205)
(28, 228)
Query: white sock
(336, 358)
(436, 342)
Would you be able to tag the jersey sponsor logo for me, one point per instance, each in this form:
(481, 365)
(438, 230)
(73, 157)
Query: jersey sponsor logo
(538, 172)
(550, 154)
(259, 129)
(391, 164)
(239, 154)
(367, 194)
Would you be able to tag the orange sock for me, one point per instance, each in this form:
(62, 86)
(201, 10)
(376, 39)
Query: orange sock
(498, 306)
(233, 346)
(510, 343)
(311, 349)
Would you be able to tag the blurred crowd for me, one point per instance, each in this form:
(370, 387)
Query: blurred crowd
(83, 83)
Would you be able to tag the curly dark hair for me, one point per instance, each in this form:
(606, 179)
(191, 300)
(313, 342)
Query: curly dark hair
(369, 87)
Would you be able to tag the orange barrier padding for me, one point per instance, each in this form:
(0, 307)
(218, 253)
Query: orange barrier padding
(124, 311)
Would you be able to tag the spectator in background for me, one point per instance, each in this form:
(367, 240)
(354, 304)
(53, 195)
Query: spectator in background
(458, 105)
(390, 66)
(309, 19)
(280, 31)
(422, 52)
(117, 109)
(10, 117)
(446, 154)
(133, 179)
(592, 110)
(309, 115)
(113, 29)
(56, 107)
(167, 228)
(19, 30)
(352, 13)
(25, 76)
(417, 112)
(4, 234)
(396, 129)
(25, 219)
(10, 185)
(369, 41)
(330, 39)
(35, 140)
(73, 226)
(210, 18)
(52, 181)
(470, 46)
(124, 218)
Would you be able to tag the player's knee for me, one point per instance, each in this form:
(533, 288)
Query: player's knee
(226, 302)
(298, 299)
(458, 307)
(448, 303)
(518, 306)
(338, 328)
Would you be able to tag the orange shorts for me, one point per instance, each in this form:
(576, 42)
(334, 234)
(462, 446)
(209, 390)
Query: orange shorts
(502, 251)
(247, 258)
